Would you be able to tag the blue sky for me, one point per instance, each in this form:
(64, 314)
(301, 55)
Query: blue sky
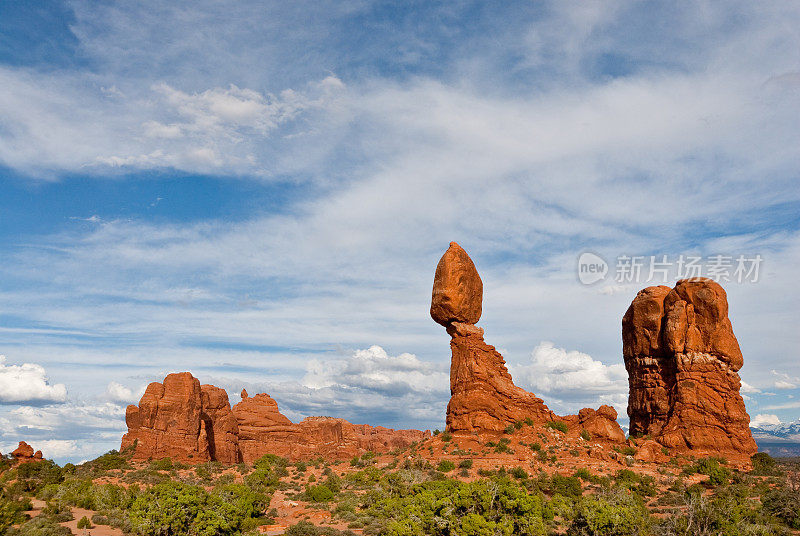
(259, 193)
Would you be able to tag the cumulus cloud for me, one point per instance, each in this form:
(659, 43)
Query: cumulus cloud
(374, 370)
(118, 393)
(764, 419)
(51, 448)
(28, 384)
(367, 386)
(573, 378)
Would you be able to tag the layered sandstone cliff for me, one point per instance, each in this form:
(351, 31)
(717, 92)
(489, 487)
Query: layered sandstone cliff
(682, 360)
(194, 423)
(483, 395)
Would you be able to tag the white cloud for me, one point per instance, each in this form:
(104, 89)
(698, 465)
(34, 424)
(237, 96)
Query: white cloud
(374, 370)
(118, 393)
(749, 389)
(573, 378)
(764, 419)
(51, 448)
(27, 383)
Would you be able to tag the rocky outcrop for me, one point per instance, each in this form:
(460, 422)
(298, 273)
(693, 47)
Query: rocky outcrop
(483, 397)
(600, 424)
(194, 423)
(264, 429)
(683, 361)
(183, 420)
(25, 453)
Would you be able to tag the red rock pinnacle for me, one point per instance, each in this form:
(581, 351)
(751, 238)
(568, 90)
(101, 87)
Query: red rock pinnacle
(682, 360)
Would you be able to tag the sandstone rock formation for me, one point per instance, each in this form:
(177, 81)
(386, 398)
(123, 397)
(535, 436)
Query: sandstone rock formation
(194, 423)
(682, 360)
(25, 453)
(457, 289)
(182, 420)
(600, 424)
(483, 395)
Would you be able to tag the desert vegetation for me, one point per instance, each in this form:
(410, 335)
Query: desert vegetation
(401, 494)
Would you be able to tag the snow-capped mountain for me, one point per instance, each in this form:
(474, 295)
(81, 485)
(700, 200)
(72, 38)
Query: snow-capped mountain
(778, 439)
(789, 431)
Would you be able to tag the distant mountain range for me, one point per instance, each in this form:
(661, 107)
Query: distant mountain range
(778, 439)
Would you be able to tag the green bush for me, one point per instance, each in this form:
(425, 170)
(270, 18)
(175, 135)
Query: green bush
(557, 425)
(617, 513)
(519, 473)
(40, 525)
(447, 437)
(84, 523)
(764, 464)
(11, 511)
(319, 494)
(445, 466)
(711, 466)
(465, 464)
(783, 503)
(177, 509)
(586, 436)
(497, 506)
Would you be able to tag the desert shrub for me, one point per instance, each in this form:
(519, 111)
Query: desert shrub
(262, 479)
(177, 509)
(729, 513)
(84, 523)
(617, 513)
(783, 503)
(319, 494)
(100, 519)
(713, 467)
(502, 446)
(40, 525)
(446, 437)
(108, 461)
(57, 512)
(586, 436)
(764, 465)
(445, 466)
(497, 506)
(33, 476)
(333, 482)
(11, 511)
(567, 486)
(465, 464)
(519, 473)
(536, 446)
(557, 425)
(584, 474)
(304, 528)
(509, 429)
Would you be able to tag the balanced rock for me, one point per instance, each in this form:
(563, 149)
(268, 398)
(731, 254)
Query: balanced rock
(457, 289)
(483, 396)
(683, 361)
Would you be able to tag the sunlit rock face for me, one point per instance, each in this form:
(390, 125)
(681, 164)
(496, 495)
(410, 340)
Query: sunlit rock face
(484, 397)
(193, 423)
(683, 361)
